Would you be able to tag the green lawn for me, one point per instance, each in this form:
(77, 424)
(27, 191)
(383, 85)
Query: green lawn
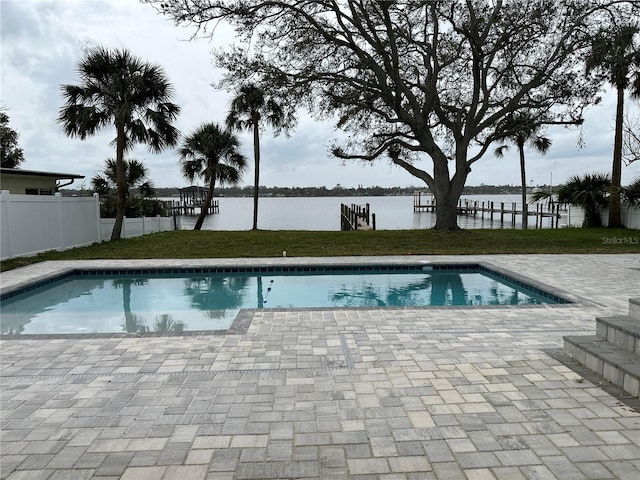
(212, 244)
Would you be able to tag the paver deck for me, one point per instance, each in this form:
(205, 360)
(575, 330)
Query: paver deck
(439, 393)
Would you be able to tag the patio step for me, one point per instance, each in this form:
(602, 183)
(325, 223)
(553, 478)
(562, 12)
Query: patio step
(614, 352)
(622, 331)
(615, 364)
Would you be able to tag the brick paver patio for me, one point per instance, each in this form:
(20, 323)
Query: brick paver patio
(438, 393)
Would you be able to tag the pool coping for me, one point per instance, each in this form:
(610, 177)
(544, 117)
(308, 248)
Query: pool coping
(245, 316)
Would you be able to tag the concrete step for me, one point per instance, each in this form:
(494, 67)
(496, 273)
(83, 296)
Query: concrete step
(614, 363)
(622, 331)
(634, 308)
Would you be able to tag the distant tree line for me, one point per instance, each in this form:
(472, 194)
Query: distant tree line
(337, 191)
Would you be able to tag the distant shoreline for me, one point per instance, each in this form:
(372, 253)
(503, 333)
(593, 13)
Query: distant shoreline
(337, 191)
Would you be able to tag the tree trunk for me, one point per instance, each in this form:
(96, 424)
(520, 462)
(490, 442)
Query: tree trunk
(616, 171)
(447, 193)
(523, 180)
(592, 218)
(204, 209)
(121, 183)
(446, 212)
(256, 178)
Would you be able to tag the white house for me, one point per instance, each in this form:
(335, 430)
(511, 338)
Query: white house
(31, 182)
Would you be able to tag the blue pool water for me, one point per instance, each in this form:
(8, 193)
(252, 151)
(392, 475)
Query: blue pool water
(109, 302)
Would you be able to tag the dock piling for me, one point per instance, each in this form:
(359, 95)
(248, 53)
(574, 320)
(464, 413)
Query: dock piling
(356, 217)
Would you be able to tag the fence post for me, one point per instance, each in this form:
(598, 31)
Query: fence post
(98, 225)
(58, 196)
(158, 219)
(144, 222)
(124, 227)
(5, 203)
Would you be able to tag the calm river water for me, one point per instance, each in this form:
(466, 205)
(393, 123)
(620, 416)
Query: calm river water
(323, 213)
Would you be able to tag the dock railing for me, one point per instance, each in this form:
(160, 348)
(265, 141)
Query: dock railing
(425, 202)
(181, 207)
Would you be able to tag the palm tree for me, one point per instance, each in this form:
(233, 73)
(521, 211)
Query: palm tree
(211, 153)
(119, 89)
(590, 192)
(632, 192)
(522, 129)
(135, 175)
(615, 57)
(248, 109)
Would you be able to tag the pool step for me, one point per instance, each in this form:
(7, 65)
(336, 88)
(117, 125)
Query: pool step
(614, 352)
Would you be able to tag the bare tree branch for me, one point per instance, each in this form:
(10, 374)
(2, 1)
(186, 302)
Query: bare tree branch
(432, 78)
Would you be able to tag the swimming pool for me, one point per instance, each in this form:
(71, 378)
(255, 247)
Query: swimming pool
(165, 300)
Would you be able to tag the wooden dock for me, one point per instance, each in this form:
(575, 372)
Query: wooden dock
(425, 202)
(190, 208)
(356, 217)
(192, 201)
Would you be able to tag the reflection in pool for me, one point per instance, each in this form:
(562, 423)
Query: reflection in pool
(177, 302)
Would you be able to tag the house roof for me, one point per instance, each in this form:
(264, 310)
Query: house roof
(34, 173)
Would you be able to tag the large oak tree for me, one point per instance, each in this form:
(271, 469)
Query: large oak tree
(425, 83)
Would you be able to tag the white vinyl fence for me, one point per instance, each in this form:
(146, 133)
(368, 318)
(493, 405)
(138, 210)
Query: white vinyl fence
(135, 227)
(629, 215)
(30, 224)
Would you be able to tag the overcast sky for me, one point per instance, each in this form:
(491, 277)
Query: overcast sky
(42, 41)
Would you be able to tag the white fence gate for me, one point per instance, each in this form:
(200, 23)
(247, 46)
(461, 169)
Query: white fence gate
(31, 224)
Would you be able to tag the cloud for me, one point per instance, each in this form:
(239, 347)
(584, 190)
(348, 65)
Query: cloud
(42, 41)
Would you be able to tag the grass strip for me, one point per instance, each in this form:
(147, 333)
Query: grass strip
(269, 243)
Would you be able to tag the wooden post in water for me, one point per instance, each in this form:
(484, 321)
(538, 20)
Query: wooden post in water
(354, 216)
(350, 216)
(491, 212)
